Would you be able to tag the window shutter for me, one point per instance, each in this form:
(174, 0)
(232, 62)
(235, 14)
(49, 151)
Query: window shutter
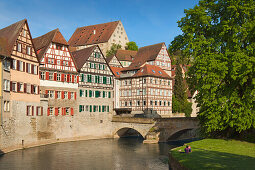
(90, 108)
(18, 63)
(77, 79)
(56, 111)
(82, 77)
(63, 95)
(72, 112)
(32, 68)
(62, 77)
(32, 89)
(56, 94)
(103, 94)
(48, 112)
(41, 111)
(75, 95)
(80, 92)
(69, 95)
(27, 67)
(38, 90)
(102, 108)
(27, 110)
(37, 110)
(99, 108)
(10, 85)
(107, 108)
(68, 78)
(63, 111)
(18, 87)
(47, 75)
(46, 91)
(110, 80)
(80, 108)
(86, 93)
(24, 65)
(94, 108)
(32, 110)
(55, 76)
(72, 78)
(25, 87)
(37, 69)
(90, 93)
(109, 96)
(46, 60)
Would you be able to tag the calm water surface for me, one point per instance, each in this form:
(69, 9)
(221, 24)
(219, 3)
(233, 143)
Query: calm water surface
(103, 154)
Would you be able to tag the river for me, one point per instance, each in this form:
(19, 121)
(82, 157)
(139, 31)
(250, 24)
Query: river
(103, 154)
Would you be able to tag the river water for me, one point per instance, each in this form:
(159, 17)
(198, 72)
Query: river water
(103, 154)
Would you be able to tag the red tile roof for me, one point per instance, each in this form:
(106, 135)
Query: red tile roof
(42, 43)
(145, 54)
(125, 55)
(85, 35)
(8, 37)
(116, 71)
(81, 56)
(151, 70)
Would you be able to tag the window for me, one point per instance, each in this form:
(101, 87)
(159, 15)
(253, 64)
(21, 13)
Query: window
(24, 33)
(144, 80)
(29, 68)
(137, 92)
(51, 93)
(81, 108)
(6, 106)
(100, 79)
(39, 111)
(59, 94)
(51, 111)
(35, 89)
(138, 103)
(7, 85)
(65, 77)
(19, 47)
(51, 76)
(129, 92)
(156, 103)
(29, 110)
(168, 103)
(65, 95)
(75, 78)
(58, 77)
(7, 65)
(125, 103)
(14, 64)
(20, 87)
(156, 92)
(151, 102)
(160, 92)
(71, 78)
(42, 75)
(144, 103)
(144, 91)
(14, 86)
(35, 69)
(28, 50)
(108, 80)
(160, 103)
(21, 66)
(152, 92)
(67, 110)
(72, 95)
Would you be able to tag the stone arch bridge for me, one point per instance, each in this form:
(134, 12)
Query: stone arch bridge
(155, 130)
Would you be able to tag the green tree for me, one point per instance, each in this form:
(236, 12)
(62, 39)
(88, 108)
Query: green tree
(113, 49)
(131, 46)
(180, 102)
(220, 36)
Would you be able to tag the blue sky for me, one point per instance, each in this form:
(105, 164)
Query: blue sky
(145, 21)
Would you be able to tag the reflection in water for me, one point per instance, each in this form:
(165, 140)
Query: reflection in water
(106, 154)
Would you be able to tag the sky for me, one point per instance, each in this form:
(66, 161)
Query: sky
(146, 22)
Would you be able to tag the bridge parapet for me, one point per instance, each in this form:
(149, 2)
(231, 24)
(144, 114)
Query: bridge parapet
(138, 120)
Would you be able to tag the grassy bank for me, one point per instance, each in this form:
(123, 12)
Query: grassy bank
(217, 154)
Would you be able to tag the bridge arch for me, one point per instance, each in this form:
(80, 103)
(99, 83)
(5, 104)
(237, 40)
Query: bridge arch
(128, 131)
(179, 134)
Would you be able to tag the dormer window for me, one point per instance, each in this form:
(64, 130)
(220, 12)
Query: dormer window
(153, 71)
(94, 32)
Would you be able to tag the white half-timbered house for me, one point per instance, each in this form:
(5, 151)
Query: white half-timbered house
(58, 73)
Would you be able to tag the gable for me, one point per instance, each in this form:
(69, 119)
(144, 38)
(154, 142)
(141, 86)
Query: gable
(58, 57)
(23, 47)
(163, 59)
(115, 62)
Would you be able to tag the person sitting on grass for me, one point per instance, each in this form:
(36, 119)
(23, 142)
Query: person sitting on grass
(186, 150)
(189, 148)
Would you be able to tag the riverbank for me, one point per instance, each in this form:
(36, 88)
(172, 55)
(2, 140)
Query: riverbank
(216, 154)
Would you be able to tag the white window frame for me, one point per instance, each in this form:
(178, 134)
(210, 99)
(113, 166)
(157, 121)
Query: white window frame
(65, 95)
(51, 94)
(42, 75)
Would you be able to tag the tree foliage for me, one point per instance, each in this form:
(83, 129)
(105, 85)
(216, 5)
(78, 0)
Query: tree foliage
(113, 49)
(131, 46)
(220, 36)
(180, 102)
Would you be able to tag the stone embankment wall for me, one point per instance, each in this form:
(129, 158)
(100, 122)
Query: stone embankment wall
(21, 131)
(174, 164)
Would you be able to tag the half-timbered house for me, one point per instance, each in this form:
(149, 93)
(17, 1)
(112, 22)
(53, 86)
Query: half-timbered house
(146, 88)
(156, 54)
(96, 81)
(58, 73)
(23, 88)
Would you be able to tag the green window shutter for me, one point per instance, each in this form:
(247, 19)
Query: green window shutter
(103, 67)
(82, 77)
(86, 93)
(102, 108)
(80, 92)
(89, 65)
(104, 80)
(107, 108)
(103, 94)
(97, 94)
(94, 108)
(99, 108)
(109, 96)
(90, 93)
(90, 108)
(99, 66)
(110, 80)
(80, 108)
(87, 78)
